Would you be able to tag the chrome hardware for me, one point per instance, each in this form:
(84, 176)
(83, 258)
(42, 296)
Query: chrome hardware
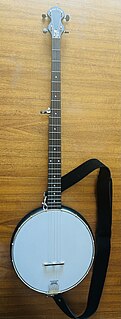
(48, 111)
(45, 30)
(67, 17)
(44, 203)
(53, 287)
(44, 15)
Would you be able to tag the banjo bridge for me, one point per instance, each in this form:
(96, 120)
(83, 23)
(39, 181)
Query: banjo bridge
(46, 264)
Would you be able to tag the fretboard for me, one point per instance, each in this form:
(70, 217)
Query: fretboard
(54, 149)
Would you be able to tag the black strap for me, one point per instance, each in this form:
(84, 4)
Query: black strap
(102, 236)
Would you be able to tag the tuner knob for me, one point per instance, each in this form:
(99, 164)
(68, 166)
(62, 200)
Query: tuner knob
(45, 30)
(44, 16)
(67, 17)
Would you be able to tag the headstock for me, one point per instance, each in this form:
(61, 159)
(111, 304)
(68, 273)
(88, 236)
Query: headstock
(55, 27)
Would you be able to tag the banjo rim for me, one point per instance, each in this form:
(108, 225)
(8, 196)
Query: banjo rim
(35, 212)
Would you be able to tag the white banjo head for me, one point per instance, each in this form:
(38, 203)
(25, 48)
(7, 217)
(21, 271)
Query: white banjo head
(52, 251)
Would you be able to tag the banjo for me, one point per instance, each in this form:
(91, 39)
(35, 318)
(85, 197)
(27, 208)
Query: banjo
(52, 248)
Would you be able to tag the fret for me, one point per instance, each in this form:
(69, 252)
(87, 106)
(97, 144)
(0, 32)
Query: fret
(56, 93)
(54, 132)
(54, 163)
(54, 206)
(55, 110)
(53, 184)
(56, 197)
(57, 174)
(54, 117)
(55, 147)
(55, 151)
(54, 179)
(53, 191)
(56, 61)
(54, 157)
(51, 145)
(55, 121)
(54, 124)
(55, 100)
(54, 128)
(54, 175)
(51, 134)
(51, 181)
(54, 194)
(56, 81)
(55, 201)
(56, 187)
(54, 169)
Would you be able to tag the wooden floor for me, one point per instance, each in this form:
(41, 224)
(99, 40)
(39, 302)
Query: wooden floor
(91, 121)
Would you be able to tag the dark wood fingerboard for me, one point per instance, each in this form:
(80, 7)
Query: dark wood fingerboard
(54, 156)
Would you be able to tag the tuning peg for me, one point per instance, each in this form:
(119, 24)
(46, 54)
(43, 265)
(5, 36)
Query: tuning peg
(48, 111)
(67, 17)
(44, 16)
(45, 30)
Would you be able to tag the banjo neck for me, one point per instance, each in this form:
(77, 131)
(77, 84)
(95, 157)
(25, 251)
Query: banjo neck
(56, 29)
(54, 142)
